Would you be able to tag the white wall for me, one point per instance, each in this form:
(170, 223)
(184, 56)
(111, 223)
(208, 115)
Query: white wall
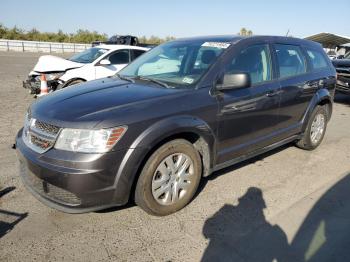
(45, 47)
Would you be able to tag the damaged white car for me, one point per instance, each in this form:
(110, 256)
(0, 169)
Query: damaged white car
(93, 63)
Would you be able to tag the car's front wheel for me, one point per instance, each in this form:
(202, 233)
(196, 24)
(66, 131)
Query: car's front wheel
(70, 83)
(315, 129)
(169, 178)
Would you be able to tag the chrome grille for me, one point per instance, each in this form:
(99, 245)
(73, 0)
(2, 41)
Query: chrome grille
(39, 136)
(51, 129)
(41, 143)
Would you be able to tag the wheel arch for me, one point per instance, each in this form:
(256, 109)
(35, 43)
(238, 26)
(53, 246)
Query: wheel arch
(67, 83)
(321, 98)
(189, 128)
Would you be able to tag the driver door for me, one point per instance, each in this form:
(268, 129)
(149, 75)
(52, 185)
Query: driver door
(247, 116)
(118, 60)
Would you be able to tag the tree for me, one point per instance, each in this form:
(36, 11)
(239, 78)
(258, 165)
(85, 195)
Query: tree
(245, 32)
(80, 36)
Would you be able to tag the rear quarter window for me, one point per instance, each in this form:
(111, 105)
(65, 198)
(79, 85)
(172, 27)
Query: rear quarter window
(317, 59)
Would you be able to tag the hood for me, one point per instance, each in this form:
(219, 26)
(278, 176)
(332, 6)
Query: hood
(50, 63)
(88, 104)
(341, 62)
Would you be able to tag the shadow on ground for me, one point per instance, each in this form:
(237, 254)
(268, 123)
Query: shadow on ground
(9, 219)
(241, 232)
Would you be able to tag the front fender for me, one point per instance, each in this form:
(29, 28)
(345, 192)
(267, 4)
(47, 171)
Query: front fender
(172, 126)
(152, 137)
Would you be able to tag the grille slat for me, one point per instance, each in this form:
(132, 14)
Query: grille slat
(46, 128)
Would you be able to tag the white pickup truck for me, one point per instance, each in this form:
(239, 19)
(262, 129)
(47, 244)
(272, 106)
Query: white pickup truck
(96, 62)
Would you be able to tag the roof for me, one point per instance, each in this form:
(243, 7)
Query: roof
(236, 38)
(328, 40)
(212, 38)
(116, 47)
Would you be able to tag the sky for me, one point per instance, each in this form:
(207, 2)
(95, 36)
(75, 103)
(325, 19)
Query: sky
(179, 18)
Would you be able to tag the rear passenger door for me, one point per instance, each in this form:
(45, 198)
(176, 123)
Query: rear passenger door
(298, 87)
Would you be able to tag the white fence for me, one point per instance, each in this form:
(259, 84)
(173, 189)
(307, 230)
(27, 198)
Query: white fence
(45, 47)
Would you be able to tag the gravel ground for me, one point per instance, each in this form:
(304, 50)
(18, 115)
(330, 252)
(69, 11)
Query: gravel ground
(289, 204)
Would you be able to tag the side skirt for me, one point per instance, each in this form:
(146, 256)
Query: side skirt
(255, 153)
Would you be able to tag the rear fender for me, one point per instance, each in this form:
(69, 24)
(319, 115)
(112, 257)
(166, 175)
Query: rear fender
(321, 97)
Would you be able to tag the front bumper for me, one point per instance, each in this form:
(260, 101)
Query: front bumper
(343, 83)
(71, 182)
(33, 84)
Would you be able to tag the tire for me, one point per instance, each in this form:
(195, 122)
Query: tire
(158, 175)
(308, 141)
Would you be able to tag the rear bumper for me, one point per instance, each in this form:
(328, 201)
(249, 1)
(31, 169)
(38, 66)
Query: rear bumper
(71, 182)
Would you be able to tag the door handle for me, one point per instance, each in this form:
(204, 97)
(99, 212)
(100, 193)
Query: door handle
(272, 93)
(312, 84)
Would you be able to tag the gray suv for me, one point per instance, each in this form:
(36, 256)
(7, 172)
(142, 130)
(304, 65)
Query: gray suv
(176, 114)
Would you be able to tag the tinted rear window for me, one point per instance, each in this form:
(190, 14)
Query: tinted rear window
(290, 59)
(317, 59)
(137, 52)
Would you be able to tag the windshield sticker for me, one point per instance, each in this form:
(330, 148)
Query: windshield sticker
(217, 44)
(187, 80)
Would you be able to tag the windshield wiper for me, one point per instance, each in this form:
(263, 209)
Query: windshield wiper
(152, 80)
(124, 78)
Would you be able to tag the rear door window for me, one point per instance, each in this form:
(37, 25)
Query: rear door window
(120, 57)
(290, 60)
(317, 59)
(136, 53)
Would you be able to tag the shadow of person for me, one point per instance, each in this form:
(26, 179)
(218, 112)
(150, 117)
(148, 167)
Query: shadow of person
(8, 219)
(241, 233)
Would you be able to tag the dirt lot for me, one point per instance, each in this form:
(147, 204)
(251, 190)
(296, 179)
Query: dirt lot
(289, 204)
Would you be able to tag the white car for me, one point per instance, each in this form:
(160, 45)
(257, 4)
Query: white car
(93, 63)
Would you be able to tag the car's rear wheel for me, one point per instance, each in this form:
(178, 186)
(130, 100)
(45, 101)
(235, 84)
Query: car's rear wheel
(169, 179)
(315, 130)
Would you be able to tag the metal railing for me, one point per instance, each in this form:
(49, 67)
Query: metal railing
(45, 47)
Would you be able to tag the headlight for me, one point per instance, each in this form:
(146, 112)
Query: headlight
(89, 141)
(54, 76)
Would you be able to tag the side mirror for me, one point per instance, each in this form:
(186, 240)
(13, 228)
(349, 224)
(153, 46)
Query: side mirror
(232, 81)
(104, 62)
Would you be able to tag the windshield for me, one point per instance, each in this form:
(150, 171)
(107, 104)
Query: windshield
(89, 55)
(347, 55)
(176, 63)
